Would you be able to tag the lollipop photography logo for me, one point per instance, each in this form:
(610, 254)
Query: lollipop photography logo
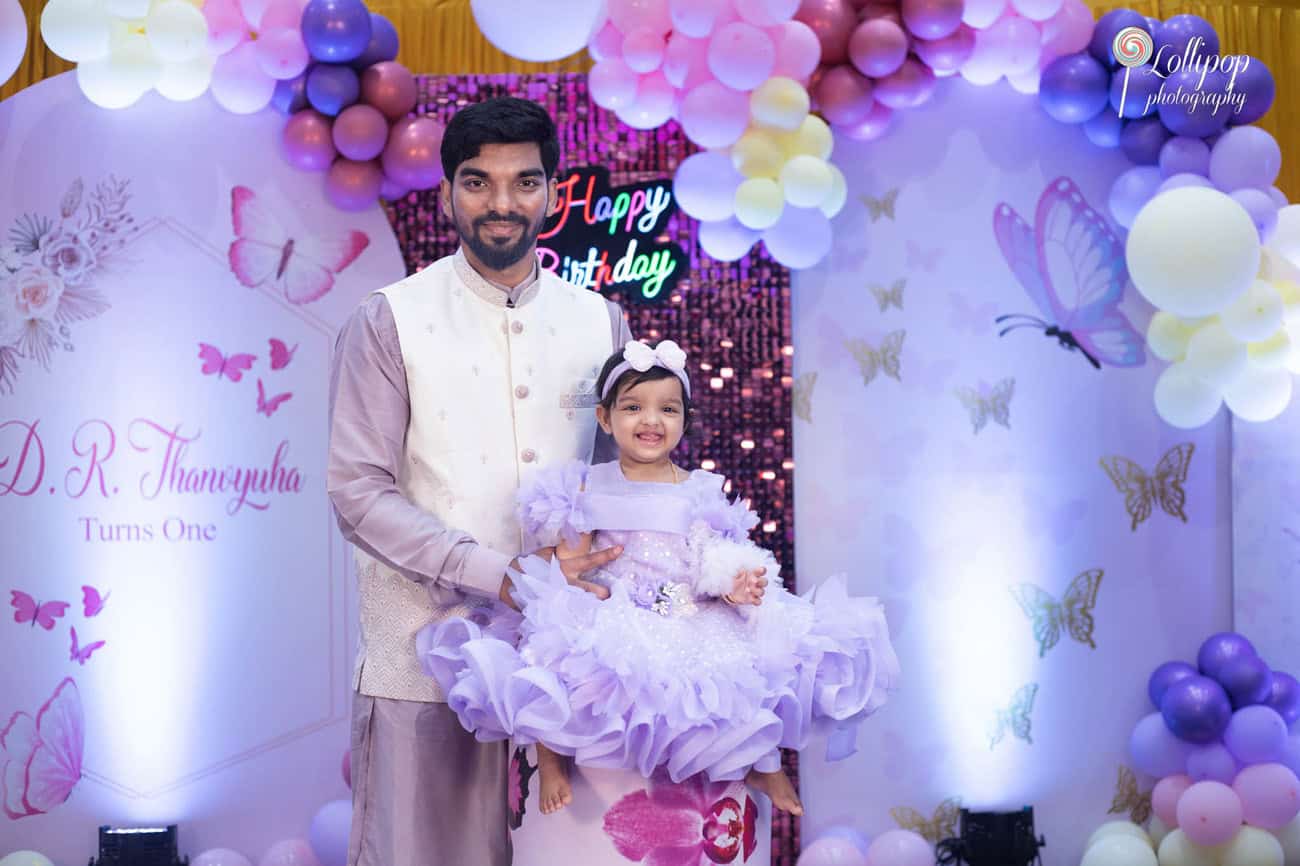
(1133, 48)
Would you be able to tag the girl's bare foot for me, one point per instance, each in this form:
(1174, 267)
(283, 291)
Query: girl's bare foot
(555, 792)
(778, 789)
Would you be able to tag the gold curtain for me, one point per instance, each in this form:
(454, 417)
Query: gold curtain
(439, 37)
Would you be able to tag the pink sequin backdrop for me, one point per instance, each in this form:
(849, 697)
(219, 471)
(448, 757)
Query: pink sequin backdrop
(733, 319)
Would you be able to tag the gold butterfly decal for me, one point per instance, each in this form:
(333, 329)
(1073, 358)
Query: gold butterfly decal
(984, 403)
(801, 395)
(883, 206)
(1164, 486)
(942, 825)
(1015, 718)
(1074, 611)
(890, 296)
(872, 361)
(1128, 798)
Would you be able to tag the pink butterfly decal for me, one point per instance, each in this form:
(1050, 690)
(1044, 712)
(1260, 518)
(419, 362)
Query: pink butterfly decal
(82, 654)
(92, 602)
(215, 363)
(917, 256)
(264, 252)
(268, 407)
(26, 609)
(40, 759)
(967, 316)
(281, 354)
(1072, 267)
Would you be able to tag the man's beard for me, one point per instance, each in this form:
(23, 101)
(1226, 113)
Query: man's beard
(496, 256)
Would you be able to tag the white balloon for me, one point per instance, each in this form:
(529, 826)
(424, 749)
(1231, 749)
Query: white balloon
(1252, 847)
(1289, 837)
(1185, 401)
(806, 181)
(1120, 849)
(1290, 294)
(25, 858)
(119, 80)
(759, 203)
(128, 8)
(1157, 831)
(801, 237)
(1192, 251)
(562, 30)
(1167, 335)
(76, 30)
(181, 82)
(238, 83)
(1215, 356)
(705, 186)
(1256, 314)
(220, 857)
(1117, 828)
(1286, 238)
(1293, 360)
(1272, 353)
(839, 194)
(13, 37)
(177, 31)
(1178, 850)
(726, 240)
(1259, 395)
(612, 84)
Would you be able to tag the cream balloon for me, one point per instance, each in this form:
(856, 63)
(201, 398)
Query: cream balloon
(1167, 335)
(758, 154)
(120, 79)
(1289, 292)
(182, 82)
(1256, 314)
(1192, 251)
(1157, 830)
(1177, 850)
(1272, 353)
(759, 202)
(1252, 847)
(25, 858)
(76, 30)
(806, 181)
(1183, 400)
(781, 103)
(1259, 395)
(13, 38)
(839, 194)
(1293, 361)
(177, 31)
(1120, 849)
(812, 138)
(1215, 356)
(1120, 828)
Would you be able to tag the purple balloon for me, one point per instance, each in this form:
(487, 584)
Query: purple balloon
(332, 88)
(1129, 194)
(336, 31)
(1074, 88)
(1263, 213)
(1255, 84)
(1255, 735)
(1142, 139)
(382, 45)
(1279, 197)
(1212, 762)
(290, 95)
(1247, 679)
(1152, 23)
(1143, 85)
(1245, 156)
(1179, 181)
(1184, 108)
(1219, 649)
(1102, 47)
(1183, 155)
(1286, 697)
(1165, 676)
(1104, 129)
(1196, 709)
(1182, 41)
(1155, 750)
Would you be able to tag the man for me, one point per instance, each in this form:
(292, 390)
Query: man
(448, 389)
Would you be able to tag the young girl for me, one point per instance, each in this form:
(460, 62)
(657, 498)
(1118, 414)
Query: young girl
(699, 661)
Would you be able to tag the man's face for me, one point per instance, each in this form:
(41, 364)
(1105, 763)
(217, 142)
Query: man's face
(498, 201)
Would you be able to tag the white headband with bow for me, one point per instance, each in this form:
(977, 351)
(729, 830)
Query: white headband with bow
(640, 357)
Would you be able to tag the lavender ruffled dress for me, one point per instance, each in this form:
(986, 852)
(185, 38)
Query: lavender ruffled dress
(664, 674)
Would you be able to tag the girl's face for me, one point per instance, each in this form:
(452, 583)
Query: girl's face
(647, 420)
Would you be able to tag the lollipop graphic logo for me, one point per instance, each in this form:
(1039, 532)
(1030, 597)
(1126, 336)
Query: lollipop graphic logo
(1132, 47)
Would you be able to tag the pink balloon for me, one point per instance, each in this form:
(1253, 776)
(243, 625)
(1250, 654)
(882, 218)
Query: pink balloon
(932, 19)
(844, 96)
(281, 14)
(686, 62)
(981, 13)
(1037, 10)
(741, 56)
(766, 13)
(696, 18)
(832, 21)
(289, 852)
(238, 83)
(877, 122)
(878, 47)
(607, 43)
(390, 87)
(910, 86)
(226, 25)
(1017, 43)
(412, 156)
(347, 753)
(900, 848)
(871, 10)
(949, 53)
(1068, 31)
(1270, 795)
(1165, 795)
(307, 141)
(1209, 813)
(643, 50)
(353, 186)
(714, 115)
(628, 15)
(655, 103)
(797, 50)
(360, 132)
(389, 190)
(612, 84)
(281, 53)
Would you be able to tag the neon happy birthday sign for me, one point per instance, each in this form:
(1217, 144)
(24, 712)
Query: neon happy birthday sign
(612, 238)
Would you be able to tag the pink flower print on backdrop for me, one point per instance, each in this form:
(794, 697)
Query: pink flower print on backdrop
(67, 255)
(693, 823)
(37, 291)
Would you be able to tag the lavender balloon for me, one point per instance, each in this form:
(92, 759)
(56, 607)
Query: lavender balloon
(1165, 676)
(1182, 41)
(1074, 88)
(1263, 213)
(1104, 129)
(1131, 191)
(1102, 46)
(1183, 155)
(1219, 649)
(1196, 709)
(1212, 762)
(1245, 156)
(1143, 85)
(336, 31)
(1190, 114)
(1256, 86)
(1286, 697)
(1256, 735)
(1179, 181)
(1141, 140)
(290, 95)
(1155, 750)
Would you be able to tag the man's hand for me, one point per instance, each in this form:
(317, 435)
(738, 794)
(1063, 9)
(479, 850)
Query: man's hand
(572, 568)
(748, 587)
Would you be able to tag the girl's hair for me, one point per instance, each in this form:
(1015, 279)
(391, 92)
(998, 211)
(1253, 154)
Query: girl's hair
(632, 378)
